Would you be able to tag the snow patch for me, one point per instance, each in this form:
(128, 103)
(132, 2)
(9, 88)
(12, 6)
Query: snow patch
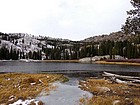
(26, 102)
(120, 81)
(116, 102)
(33, 83)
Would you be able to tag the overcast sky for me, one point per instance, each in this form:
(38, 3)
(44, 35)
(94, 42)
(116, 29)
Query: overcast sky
(70, 19)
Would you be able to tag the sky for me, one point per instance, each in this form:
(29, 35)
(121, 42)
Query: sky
(68, 19)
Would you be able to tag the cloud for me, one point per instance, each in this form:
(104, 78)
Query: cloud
(74, 19)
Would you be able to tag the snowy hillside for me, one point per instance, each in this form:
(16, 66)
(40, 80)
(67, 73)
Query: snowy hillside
(23, 44)
(18, 46)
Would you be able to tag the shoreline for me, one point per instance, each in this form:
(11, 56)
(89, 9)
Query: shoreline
(30, 60)
(62, 61)
(77, 61)
(117, 63)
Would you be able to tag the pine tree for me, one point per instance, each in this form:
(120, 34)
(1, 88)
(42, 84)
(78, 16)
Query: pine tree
(30, 55)
(132, 24)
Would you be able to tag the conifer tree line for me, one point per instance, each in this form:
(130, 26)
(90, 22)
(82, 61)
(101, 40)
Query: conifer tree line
(6, 54)
(126, 49)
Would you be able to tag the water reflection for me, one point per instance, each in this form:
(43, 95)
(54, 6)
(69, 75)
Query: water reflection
(64, 94)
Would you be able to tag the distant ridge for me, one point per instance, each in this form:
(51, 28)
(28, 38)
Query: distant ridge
(114, 36)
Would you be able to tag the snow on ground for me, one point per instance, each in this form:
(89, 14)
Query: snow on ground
(98, 58)
(26, 102)
(29, 43)
(24, 44)
(9, 45)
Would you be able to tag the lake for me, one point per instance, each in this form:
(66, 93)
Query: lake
(65, 68)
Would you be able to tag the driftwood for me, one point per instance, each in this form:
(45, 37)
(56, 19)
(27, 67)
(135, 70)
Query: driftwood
(120, 76)
(130, 80)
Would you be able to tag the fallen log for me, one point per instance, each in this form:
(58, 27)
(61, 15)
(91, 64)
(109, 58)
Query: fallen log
(121, 76)
(113, 77)
(119, 81)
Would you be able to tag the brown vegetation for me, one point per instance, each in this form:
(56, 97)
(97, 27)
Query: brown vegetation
(14, 86)
(107, 93)
(118, 63)
(124, 60)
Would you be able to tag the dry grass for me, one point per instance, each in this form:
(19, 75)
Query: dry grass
(16, 85)
(118, 63)
(109, 100)
(107, 93)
